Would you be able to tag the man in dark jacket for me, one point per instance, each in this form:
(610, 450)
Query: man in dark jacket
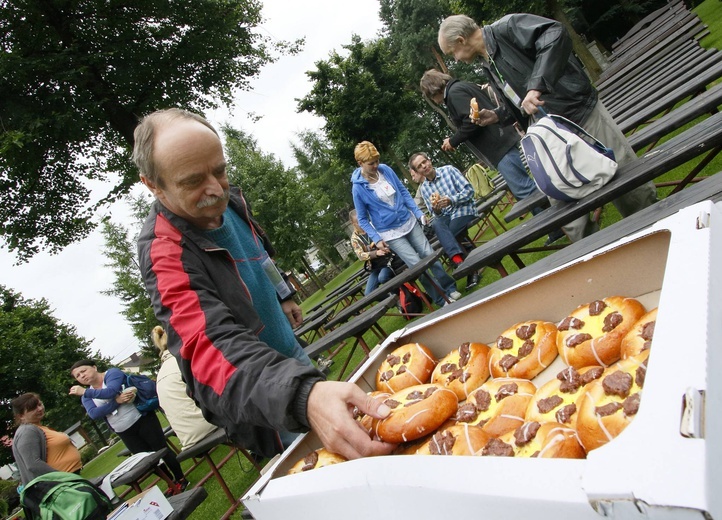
(205, 262)
(529, 61)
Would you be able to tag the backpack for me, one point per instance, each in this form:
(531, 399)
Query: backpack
(567, 163)
(63, 496)
(478, 177)
(410, 301)
(146, 398)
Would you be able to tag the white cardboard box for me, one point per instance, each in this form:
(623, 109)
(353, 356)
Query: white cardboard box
(650, 471)
(151, 504)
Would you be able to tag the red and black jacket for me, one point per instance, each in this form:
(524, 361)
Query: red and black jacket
(239, 382)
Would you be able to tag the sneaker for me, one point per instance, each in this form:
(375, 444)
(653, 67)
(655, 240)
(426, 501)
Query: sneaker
(183, 485)
(455, 295)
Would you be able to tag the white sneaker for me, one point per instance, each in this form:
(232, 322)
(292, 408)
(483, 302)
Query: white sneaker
(455, 295)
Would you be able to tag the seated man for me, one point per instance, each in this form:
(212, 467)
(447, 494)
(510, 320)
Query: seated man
(375, 259)
(450, 198)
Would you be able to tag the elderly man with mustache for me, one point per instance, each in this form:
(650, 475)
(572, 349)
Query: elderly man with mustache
(226, 310)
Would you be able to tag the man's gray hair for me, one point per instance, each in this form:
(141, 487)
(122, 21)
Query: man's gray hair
(144, 136)
(433, 82)
(413, 158)
(454, 27)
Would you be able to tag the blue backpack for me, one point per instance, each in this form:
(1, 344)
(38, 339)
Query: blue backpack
(146, 398)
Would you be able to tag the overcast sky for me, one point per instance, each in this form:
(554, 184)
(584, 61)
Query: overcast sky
(72, 280)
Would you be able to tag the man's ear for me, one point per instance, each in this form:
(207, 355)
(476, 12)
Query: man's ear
(153, 187)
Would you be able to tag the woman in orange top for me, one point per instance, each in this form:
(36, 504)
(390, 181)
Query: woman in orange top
(38, 449)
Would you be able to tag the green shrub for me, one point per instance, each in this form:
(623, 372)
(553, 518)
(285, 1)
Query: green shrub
(9, 498)
(87, 453)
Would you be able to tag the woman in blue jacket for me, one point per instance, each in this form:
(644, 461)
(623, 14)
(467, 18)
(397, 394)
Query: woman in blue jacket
(388, 214)
(103, 396)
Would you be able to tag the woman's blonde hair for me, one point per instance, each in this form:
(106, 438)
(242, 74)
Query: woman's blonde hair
(160, 340)
(365, 152)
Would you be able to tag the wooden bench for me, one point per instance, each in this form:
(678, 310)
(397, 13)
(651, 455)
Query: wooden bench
(709, 189)
(356, 328)
(678, 150)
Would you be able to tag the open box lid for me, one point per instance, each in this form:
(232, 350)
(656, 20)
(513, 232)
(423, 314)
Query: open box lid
(651, 470)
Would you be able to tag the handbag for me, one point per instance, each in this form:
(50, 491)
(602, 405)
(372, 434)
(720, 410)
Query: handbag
(567, 162)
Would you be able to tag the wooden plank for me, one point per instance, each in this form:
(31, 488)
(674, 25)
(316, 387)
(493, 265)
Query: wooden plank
(691, 110)
(633, 119)
(683, 147)
(663, 43)
(693, 75)
(656, 75)
(647, 25)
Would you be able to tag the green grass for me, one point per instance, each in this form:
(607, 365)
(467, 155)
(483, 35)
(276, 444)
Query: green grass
(710, 11)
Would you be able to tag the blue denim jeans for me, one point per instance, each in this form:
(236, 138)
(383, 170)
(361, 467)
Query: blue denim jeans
(378, 277)
(411, 248)
(446, 230)
(515, 174)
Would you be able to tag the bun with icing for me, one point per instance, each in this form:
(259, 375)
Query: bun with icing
(556, 400)
(415, 412)
(316, 459)
(406, 366)
(640, 337)
(611, 402)
(532, 439)
(498, 406)
(524, 350)
(593, 333)
(464, 369)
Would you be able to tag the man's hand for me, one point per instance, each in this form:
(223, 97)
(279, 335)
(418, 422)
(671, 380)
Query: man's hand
(532, 101)
(293, 312)
(441, 203)
(486, 117)
(446, 145)
(77, 390)
(330, 413)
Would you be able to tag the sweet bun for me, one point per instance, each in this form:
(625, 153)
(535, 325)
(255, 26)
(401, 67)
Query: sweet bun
(498, 406)
(640, 337)
(524, 350)
(610, 403)
(592, 334)
(556, 400)
(366, 421)
(547, 440)
(316, 459)
(463, 370)
(415, 412)
(473, 109)
(457, 439)
(408, 365)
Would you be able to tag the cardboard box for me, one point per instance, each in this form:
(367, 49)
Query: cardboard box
(664, 465)
(151, 504)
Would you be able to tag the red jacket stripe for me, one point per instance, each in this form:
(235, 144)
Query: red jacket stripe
(208, 364)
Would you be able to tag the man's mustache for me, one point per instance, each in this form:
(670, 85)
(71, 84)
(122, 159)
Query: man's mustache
(212, 201)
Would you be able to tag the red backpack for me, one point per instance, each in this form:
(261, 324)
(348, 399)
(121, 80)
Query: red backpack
(410, 302)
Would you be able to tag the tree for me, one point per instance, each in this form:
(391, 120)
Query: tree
(121, 251)
(327, 180)
(36, 353)
(75, 77)
(274, 193)
(362, 97)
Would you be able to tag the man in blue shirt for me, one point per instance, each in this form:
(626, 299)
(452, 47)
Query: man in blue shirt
(450, 198)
